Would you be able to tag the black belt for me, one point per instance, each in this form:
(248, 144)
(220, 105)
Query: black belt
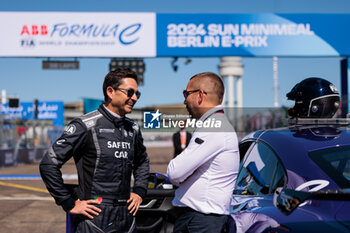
(114, 202)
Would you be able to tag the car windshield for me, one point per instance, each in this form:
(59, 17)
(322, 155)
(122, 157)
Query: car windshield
(335, 162)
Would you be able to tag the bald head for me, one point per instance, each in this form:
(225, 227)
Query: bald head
(210, 83)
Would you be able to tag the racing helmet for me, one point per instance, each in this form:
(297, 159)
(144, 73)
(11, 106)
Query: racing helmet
(314, 98)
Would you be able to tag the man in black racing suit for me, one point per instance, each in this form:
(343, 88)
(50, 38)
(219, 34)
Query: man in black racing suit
(107, 147)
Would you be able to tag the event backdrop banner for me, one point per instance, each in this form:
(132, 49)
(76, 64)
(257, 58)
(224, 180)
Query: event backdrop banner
(47, 110)
(253, 34)
(77, 34)
(109, 34)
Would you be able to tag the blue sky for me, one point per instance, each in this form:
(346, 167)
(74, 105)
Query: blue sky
(23, 77)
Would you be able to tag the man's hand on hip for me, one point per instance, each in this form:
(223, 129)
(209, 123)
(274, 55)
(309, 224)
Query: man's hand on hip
(86, 208)
(134, 203)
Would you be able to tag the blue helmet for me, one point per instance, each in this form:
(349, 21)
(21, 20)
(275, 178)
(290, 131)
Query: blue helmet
(314, 98)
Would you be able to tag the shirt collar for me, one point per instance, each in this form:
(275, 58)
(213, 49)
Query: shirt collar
(210, 112)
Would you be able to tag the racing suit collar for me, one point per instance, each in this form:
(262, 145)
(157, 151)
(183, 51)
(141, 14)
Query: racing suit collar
(117, 120)
(112, 113)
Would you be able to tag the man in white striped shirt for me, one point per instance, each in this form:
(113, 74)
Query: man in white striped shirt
(206, 170)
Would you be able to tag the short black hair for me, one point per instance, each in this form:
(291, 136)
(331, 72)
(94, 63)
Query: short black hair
(114, 79)
(217, 83)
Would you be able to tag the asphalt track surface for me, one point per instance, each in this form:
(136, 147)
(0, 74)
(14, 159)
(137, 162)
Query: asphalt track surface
(26, 206)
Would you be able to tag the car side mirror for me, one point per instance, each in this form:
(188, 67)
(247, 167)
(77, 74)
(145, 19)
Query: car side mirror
(287, 200)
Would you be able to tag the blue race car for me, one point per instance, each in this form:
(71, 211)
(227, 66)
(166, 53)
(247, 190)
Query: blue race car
(303, 168)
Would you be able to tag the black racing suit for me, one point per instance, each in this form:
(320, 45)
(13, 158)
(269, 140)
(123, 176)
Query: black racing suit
(106, 150)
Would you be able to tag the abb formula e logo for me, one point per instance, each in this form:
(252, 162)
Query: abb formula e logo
(116, 33)
(126, 34)
(34, 30)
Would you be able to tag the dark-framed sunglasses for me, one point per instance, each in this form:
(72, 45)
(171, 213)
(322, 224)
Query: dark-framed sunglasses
(187, 93)
(129, 92)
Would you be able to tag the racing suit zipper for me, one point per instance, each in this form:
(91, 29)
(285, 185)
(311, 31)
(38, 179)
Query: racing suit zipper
(123, 164)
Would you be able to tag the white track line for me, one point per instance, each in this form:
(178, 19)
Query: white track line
(26, 199)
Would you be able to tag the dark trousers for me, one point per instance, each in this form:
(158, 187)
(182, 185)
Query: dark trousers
(112, 219)
(191, 221)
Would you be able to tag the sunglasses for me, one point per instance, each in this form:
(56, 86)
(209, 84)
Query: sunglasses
(187, 93)
(129, 92)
